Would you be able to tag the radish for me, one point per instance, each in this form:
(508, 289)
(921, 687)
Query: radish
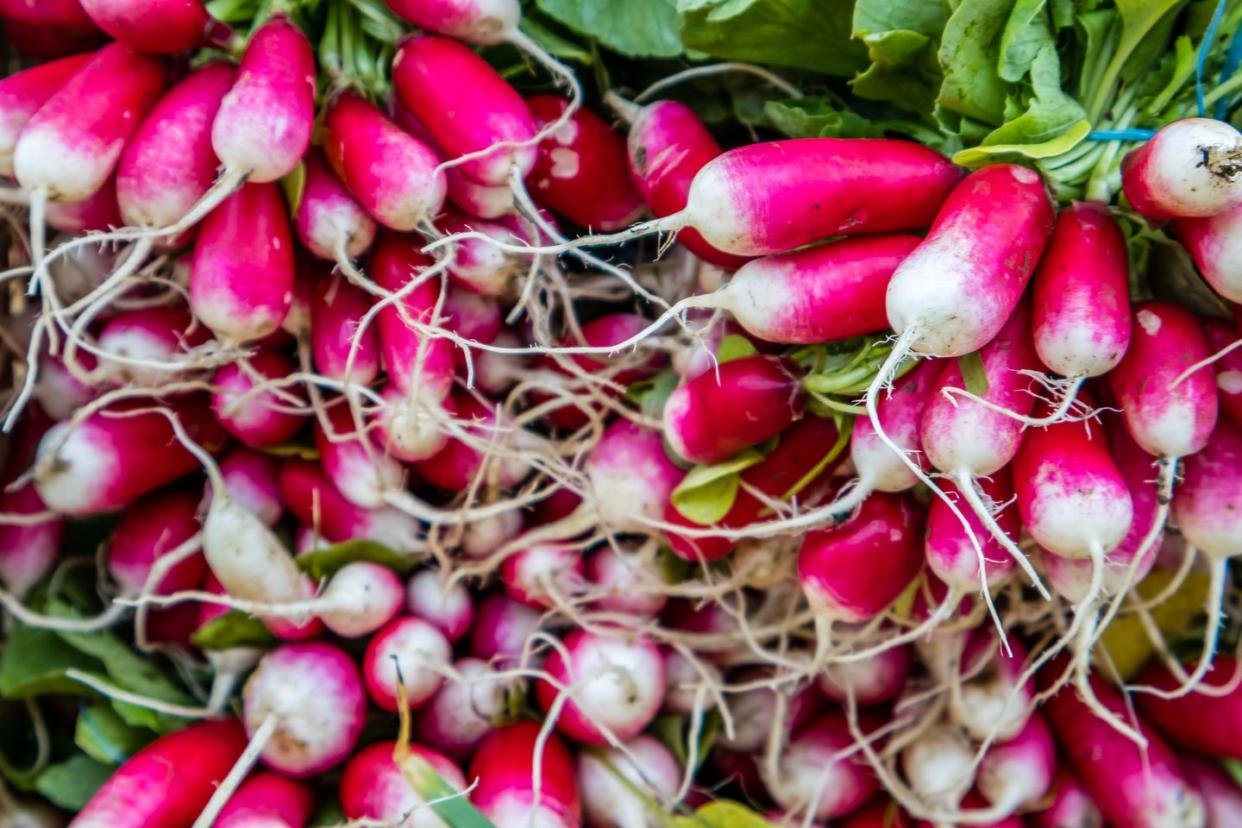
(494, 452)
(477, 199)
(466, 709)
(256, 415)
(23, 93)
(359, 599)
(1071, 806)
(58, 392)
(1212, 243)
(308, 492)
(688, 684)
(619, 786)
(147, 531)
(764, 392)
(471, 316)
(1222, 799)
(869, 681)
(1207, 722)
(1189, 169)
(242, 276)
(1017, 773)
(754, 710)
(478, 266)
(337, 309)
(994, 700)
(939, 767)
(35, 40)
(950, 544)
(444, 604)
(72, 144)
(252, 480)
(1132, 786)
(118, 454)
(625, 578)
(813, 775)
(267, 799)
(502, 628)
(264, 123)
(169, 781)
(374, 787)
(520, 781)
(483, 22)
(98, 212)
(884, 813)
(308, 699)
(410, 651)
(490, 125)
(543, 575)
(146, 346)
(1228, 369)
(164, 27)
(580, 170)
(27, 549)
(392, 174)
(667, 146)
(361, 477)
(56, 14)
(328, 221)
(612, 686)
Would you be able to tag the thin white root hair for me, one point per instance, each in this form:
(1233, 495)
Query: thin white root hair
(719, 69)
(237, 774)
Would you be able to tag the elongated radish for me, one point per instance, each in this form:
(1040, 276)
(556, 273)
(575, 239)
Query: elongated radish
(485, 22)
(812, 774)
(620, 786)
(242, 276)
(458, 464)
(267, 799)
(477, 199)
(1228, 368)
(466, 709)
(478, 266)
(609, 680)
(256, 415)
(354, 469)
(580, 170)
(1207, 722)
(337, 308)
(73, 142)
(314, 695)
(98, 212)
(310, 494)
(168, 782)
(763, 392)
(878, 467)
(23, 93)
(870, 681)
(407, 651)
(252, 480)
(1188, 169)
(445, 605)
(667, 146)
(374, 787)
(1080, 315)
(502, 629)
(950, 544)
(513, 790)
(328, 220)
(163, 27)
(117, 454)
(57, 14)
(264, 123)
(1131, 786)
(471, 316)
(1070, 807)
(492, 113)
(391, 173)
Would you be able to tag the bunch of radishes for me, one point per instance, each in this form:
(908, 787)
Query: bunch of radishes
(842, 541)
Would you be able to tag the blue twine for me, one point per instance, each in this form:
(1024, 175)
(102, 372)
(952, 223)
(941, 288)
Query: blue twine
(1233, 58)
(1120, 134)
(1209, 37)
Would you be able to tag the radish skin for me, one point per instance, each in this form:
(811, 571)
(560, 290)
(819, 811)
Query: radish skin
(27, 551)
(374, 787)
(502, 627)
(328, 220)
(1209, 722)
(446, 605)
(266, 799)
(507, 790)
(463, 711)
(23, 93)
(410, 651)
(163, 26)
(1071, 806)
(1228, 369)
(251, 478)
(485, 22)
(645, 765)
(257, 418)
(870, 681)
(309, 493)
(360, 598)
(1184, 171)
(148, 530)
(812, 775)
(337, 308)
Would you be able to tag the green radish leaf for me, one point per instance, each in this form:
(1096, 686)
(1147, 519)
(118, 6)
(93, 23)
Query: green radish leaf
(672, 730)
(806, 34)
(72, 783)
(553, 43)
(735, 346)
(635, 28)
(723, 813)
(294, 450)
(105, 737)
(294, 185)
(450, 805)
(33, 663)
(901, 37)
(232, 629)
(651, 394)
(984, 154)
(706, 494)
(329, 814)
(819, 118)
(323, 563)
(1234, 768)
(970, 56)
(974, 377)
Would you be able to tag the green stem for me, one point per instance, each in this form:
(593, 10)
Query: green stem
(230, 11)
(1227, 88)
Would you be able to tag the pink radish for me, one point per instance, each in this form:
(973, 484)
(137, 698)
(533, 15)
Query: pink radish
(410, 651)
(1207, 722)
(164, 27)
(251, 478)
(72, 144)
(994, 699)
(308, 492)
(485, 22)
(1222, 799)
(359, 599)
(939, 767)
(477, 199)
(56, 14)
(168, 782)
(763, 392)
(667, 146)
(267, 799)
(949, 544)
(1018, 772)
(466, 709)
(328, 220)
(490, 123)
(754, 710)
(512, 791)
(374, 787)
(813, 775)
(23, 93)
(544, 575)
(625, 579)
(471, 316)
(458, 464)
(263, 126)
(688, 684)
(241, 280)
(502, 628)
(99, 212)
(308, 699)
(258, 416)
(1071, 806)
(1212, 242)
(362, 477)
(620, 786)
(149, 530)
(870, 681)
(143, 346)
(1131, 786)
(445, 605)
(1228, 369)
(608, 681)
(478, 266)
(113, 457)
(1080, 316)
(27, 550)
(854, 571)
(580, 170)
(1189, 169)
(392, 174)
(878, 467)
(337, 308)
(36, 40)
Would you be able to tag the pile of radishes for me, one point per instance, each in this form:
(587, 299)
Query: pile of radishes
(824, 509)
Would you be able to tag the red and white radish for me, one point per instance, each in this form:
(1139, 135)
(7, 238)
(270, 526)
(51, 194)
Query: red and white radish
(23, 93)
(813, 775)
(408, 651)
(520, 780)
(163, 26)
(266, 799)
(328, 220)
(1188, 169)
(256, 415)
(467, 707)
(337, 308)
(374, 787)
(444, 604)
(620, 785)
(308, 492)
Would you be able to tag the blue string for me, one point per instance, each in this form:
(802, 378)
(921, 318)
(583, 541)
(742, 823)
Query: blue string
(1120, 134)
(1232, 60)
(1209, 37)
